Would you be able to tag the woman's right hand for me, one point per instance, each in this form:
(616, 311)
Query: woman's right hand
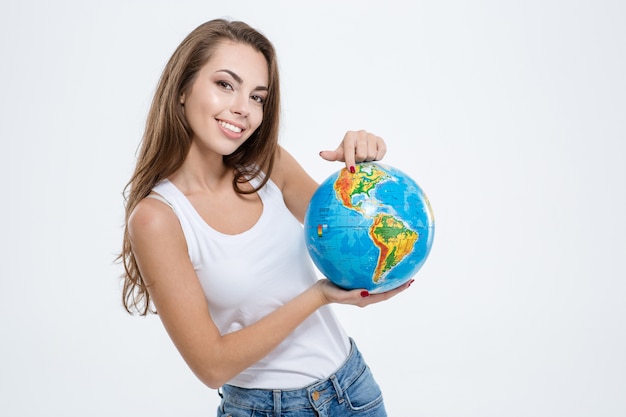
(331, 293)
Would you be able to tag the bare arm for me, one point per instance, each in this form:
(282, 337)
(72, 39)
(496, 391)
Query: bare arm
(161, 252)
(298, 187)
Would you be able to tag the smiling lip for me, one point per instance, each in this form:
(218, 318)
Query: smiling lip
(231, 126)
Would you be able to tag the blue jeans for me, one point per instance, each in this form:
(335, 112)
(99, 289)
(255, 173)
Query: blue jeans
(350, 391)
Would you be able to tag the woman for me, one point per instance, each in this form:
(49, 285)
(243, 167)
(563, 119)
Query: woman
(213, 238)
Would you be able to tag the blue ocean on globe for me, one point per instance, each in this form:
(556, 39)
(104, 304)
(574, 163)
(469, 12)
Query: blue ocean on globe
(371, 229)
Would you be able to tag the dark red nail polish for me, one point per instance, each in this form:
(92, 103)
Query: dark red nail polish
(352, 170)
(365, 294)
(410, 282)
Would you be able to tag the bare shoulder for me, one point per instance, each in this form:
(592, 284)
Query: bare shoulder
(156, 236)
(296, 184)
(283, 163)
(151, 216)
(287, 170)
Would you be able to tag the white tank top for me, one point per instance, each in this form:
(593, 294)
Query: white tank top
(248, 275)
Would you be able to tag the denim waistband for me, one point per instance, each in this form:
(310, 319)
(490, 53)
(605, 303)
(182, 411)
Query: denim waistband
(314, 395)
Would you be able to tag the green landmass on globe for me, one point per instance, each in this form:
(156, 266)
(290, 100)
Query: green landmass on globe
(369, 229)
(394, 239)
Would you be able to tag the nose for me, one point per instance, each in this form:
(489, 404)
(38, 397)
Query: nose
(241, 105)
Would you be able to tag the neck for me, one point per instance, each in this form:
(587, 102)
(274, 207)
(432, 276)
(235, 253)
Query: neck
(202, 172)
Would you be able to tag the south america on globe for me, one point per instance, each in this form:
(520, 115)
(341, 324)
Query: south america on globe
(371, 229)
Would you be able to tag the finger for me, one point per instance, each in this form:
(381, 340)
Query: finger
(381, 149)
(383, 296)
(371, 150)
(361, 147)
(330, 155)
(348, 147)
(375, 148)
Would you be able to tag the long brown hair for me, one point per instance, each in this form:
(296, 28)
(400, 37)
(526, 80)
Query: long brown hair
(167, 135)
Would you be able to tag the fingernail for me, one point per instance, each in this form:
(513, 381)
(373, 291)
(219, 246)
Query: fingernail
(365, 294)
(410, 282)
(352, 170)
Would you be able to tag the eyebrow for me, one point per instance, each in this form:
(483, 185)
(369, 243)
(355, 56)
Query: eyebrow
(239, 80)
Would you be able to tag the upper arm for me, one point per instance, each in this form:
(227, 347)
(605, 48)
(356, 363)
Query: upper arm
(296, 184)
(160, 249)
(161, 252)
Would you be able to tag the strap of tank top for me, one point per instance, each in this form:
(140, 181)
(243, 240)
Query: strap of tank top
(160, 198)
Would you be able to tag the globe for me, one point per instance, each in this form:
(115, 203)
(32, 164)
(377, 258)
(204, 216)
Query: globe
(371, 229)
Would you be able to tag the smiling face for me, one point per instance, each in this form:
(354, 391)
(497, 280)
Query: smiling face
(224, 105)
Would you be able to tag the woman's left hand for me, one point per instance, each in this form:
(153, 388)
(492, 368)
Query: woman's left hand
(357, 146)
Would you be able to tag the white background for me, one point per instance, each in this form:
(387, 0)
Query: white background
(511, 115)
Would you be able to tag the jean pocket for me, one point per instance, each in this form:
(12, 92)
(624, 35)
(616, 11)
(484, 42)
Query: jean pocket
(364, 393)
(226, 410)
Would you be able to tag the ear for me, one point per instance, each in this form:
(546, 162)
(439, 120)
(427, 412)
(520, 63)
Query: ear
(182, 98)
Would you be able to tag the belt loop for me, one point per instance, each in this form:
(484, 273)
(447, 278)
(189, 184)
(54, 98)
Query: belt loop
(277, 404)
(333, 379)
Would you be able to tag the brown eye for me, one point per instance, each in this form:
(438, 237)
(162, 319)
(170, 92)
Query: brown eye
(258, 99)
(225, 85)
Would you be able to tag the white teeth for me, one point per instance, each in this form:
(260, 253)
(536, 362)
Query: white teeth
(230, 127)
